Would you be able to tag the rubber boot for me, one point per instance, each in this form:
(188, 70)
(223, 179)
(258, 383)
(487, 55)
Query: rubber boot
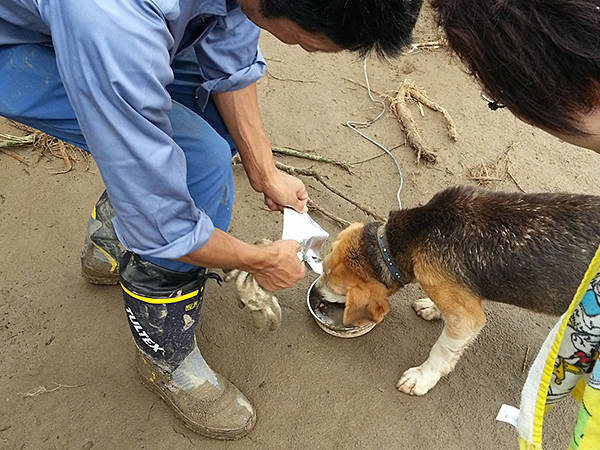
(163, 310)
(102, 250)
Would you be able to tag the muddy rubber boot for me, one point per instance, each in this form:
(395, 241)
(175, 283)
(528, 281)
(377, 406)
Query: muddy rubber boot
(163, 310)
(102, 250)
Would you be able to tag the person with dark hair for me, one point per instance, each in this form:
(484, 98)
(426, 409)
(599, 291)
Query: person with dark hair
(538, 58)
(162, 93)
(541, 60)
(383, 26)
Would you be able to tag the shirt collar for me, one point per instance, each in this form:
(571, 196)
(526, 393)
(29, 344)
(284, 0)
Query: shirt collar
(218, 8)
(213, 7)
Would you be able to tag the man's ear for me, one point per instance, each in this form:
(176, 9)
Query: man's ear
(366, 304)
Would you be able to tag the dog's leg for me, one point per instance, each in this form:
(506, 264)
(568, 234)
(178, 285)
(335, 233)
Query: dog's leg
(443, 357)
(464, 318)
(426, 309)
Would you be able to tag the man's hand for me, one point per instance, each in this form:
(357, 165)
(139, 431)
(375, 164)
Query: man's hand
(275, 266)
(239, 110)
(281, 268)
(285, 190)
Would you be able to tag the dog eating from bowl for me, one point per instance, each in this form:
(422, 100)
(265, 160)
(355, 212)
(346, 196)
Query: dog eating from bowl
(464, 246)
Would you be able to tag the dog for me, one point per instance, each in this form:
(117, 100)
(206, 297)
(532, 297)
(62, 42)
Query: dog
(464, 246)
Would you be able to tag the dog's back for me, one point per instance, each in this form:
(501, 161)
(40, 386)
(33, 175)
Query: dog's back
(529, 250)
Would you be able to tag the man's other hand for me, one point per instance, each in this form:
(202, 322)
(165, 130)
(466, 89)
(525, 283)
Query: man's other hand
(281, 267)
(285, 190)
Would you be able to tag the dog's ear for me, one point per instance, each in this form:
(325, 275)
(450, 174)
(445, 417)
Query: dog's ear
(366, 304)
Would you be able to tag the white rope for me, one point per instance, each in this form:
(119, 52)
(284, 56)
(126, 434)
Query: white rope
(353, 124)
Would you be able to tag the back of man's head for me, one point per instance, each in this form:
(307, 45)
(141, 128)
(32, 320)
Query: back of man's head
(380, 26)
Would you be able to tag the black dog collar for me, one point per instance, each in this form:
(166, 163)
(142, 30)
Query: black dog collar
(396, 274)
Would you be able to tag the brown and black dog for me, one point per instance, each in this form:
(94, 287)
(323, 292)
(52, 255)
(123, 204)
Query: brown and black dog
(464, 246)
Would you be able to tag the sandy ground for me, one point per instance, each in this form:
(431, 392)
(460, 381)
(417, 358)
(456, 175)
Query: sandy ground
(312, 391)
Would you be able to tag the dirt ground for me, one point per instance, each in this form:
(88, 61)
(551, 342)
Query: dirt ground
(312, 391)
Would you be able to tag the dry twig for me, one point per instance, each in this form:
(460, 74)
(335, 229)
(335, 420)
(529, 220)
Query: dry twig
(7, 140)
(341, 222)
(371, 158)
(65, 156)
(358, 83)
(511, 146)
(42, 390)
(88, 162)
(512, 177)
(525, 360)
(298, 154)
(489, 175)
(295, 80)
(377, 156)
(295, 171)
(429, 45)
(18, 158)
(497, 172)
(44, 144)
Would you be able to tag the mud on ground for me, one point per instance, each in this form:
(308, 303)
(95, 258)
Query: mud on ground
(312, 391)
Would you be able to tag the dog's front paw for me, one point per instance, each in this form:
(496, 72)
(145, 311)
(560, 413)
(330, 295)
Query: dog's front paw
(418, 381)
(426, 309)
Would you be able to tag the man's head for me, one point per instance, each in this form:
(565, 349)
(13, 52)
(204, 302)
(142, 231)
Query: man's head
(540, 58)
(380, 26)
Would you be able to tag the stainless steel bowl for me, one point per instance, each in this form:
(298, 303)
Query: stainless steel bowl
(329, 316)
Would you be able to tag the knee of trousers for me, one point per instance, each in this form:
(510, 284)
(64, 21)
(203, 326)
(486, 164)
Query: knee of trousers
(209, 166)
(162, 307)
(210, 181)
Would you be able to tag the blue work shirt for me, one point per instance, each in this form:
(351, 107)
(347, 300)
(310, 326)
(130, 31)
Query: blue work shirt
(114, 58)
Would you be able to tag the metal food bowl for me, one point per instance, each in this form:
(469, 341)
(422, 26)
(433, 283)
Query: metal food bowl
(329, 316)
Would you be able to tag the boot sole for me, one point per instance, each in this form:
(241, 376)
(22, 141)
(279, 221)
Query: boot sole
(102, 281)
(213, 434)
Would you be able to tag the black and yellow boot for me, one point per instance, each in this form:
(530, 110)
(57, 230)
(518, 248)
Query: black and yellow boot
(163, 309)
(102, 250)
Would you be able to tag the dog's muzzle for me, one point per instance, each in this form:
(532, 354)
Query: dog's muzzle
(327, 294)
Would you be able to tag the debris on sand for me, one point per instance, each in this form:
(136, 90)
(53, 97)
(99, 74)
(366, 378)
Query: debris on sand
(491, 175)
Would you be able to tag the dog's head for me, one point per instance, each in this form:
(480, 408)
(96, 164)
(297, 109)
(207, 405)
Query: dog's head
(348, 278)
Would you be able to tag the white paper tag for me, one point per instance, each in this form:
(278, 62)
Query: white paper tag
(508, 414)
(310, 235)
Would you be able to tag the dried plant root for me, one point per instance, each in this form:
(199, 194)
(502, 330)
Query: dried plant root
(421, 97)
(406, 120)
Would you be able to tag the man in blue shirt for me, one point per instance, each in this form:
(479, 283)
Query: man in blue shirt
(162, 93)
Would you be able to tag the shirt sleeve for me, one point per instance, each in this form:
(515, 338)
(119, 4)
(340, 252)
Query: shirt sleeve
(113, 58)
(229, 56)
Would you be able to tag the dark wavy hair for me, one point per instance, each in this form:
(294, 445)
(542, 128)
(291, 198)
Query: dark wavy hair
(380, 26)
(540, 58)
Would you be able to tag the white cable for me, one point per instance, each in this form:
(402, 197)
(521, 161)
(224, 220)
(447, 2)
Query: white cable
(352, 124)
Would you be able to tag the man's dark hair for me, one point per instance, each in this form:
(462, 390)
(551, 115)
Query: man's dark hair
(380, 26)
(541, 58)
